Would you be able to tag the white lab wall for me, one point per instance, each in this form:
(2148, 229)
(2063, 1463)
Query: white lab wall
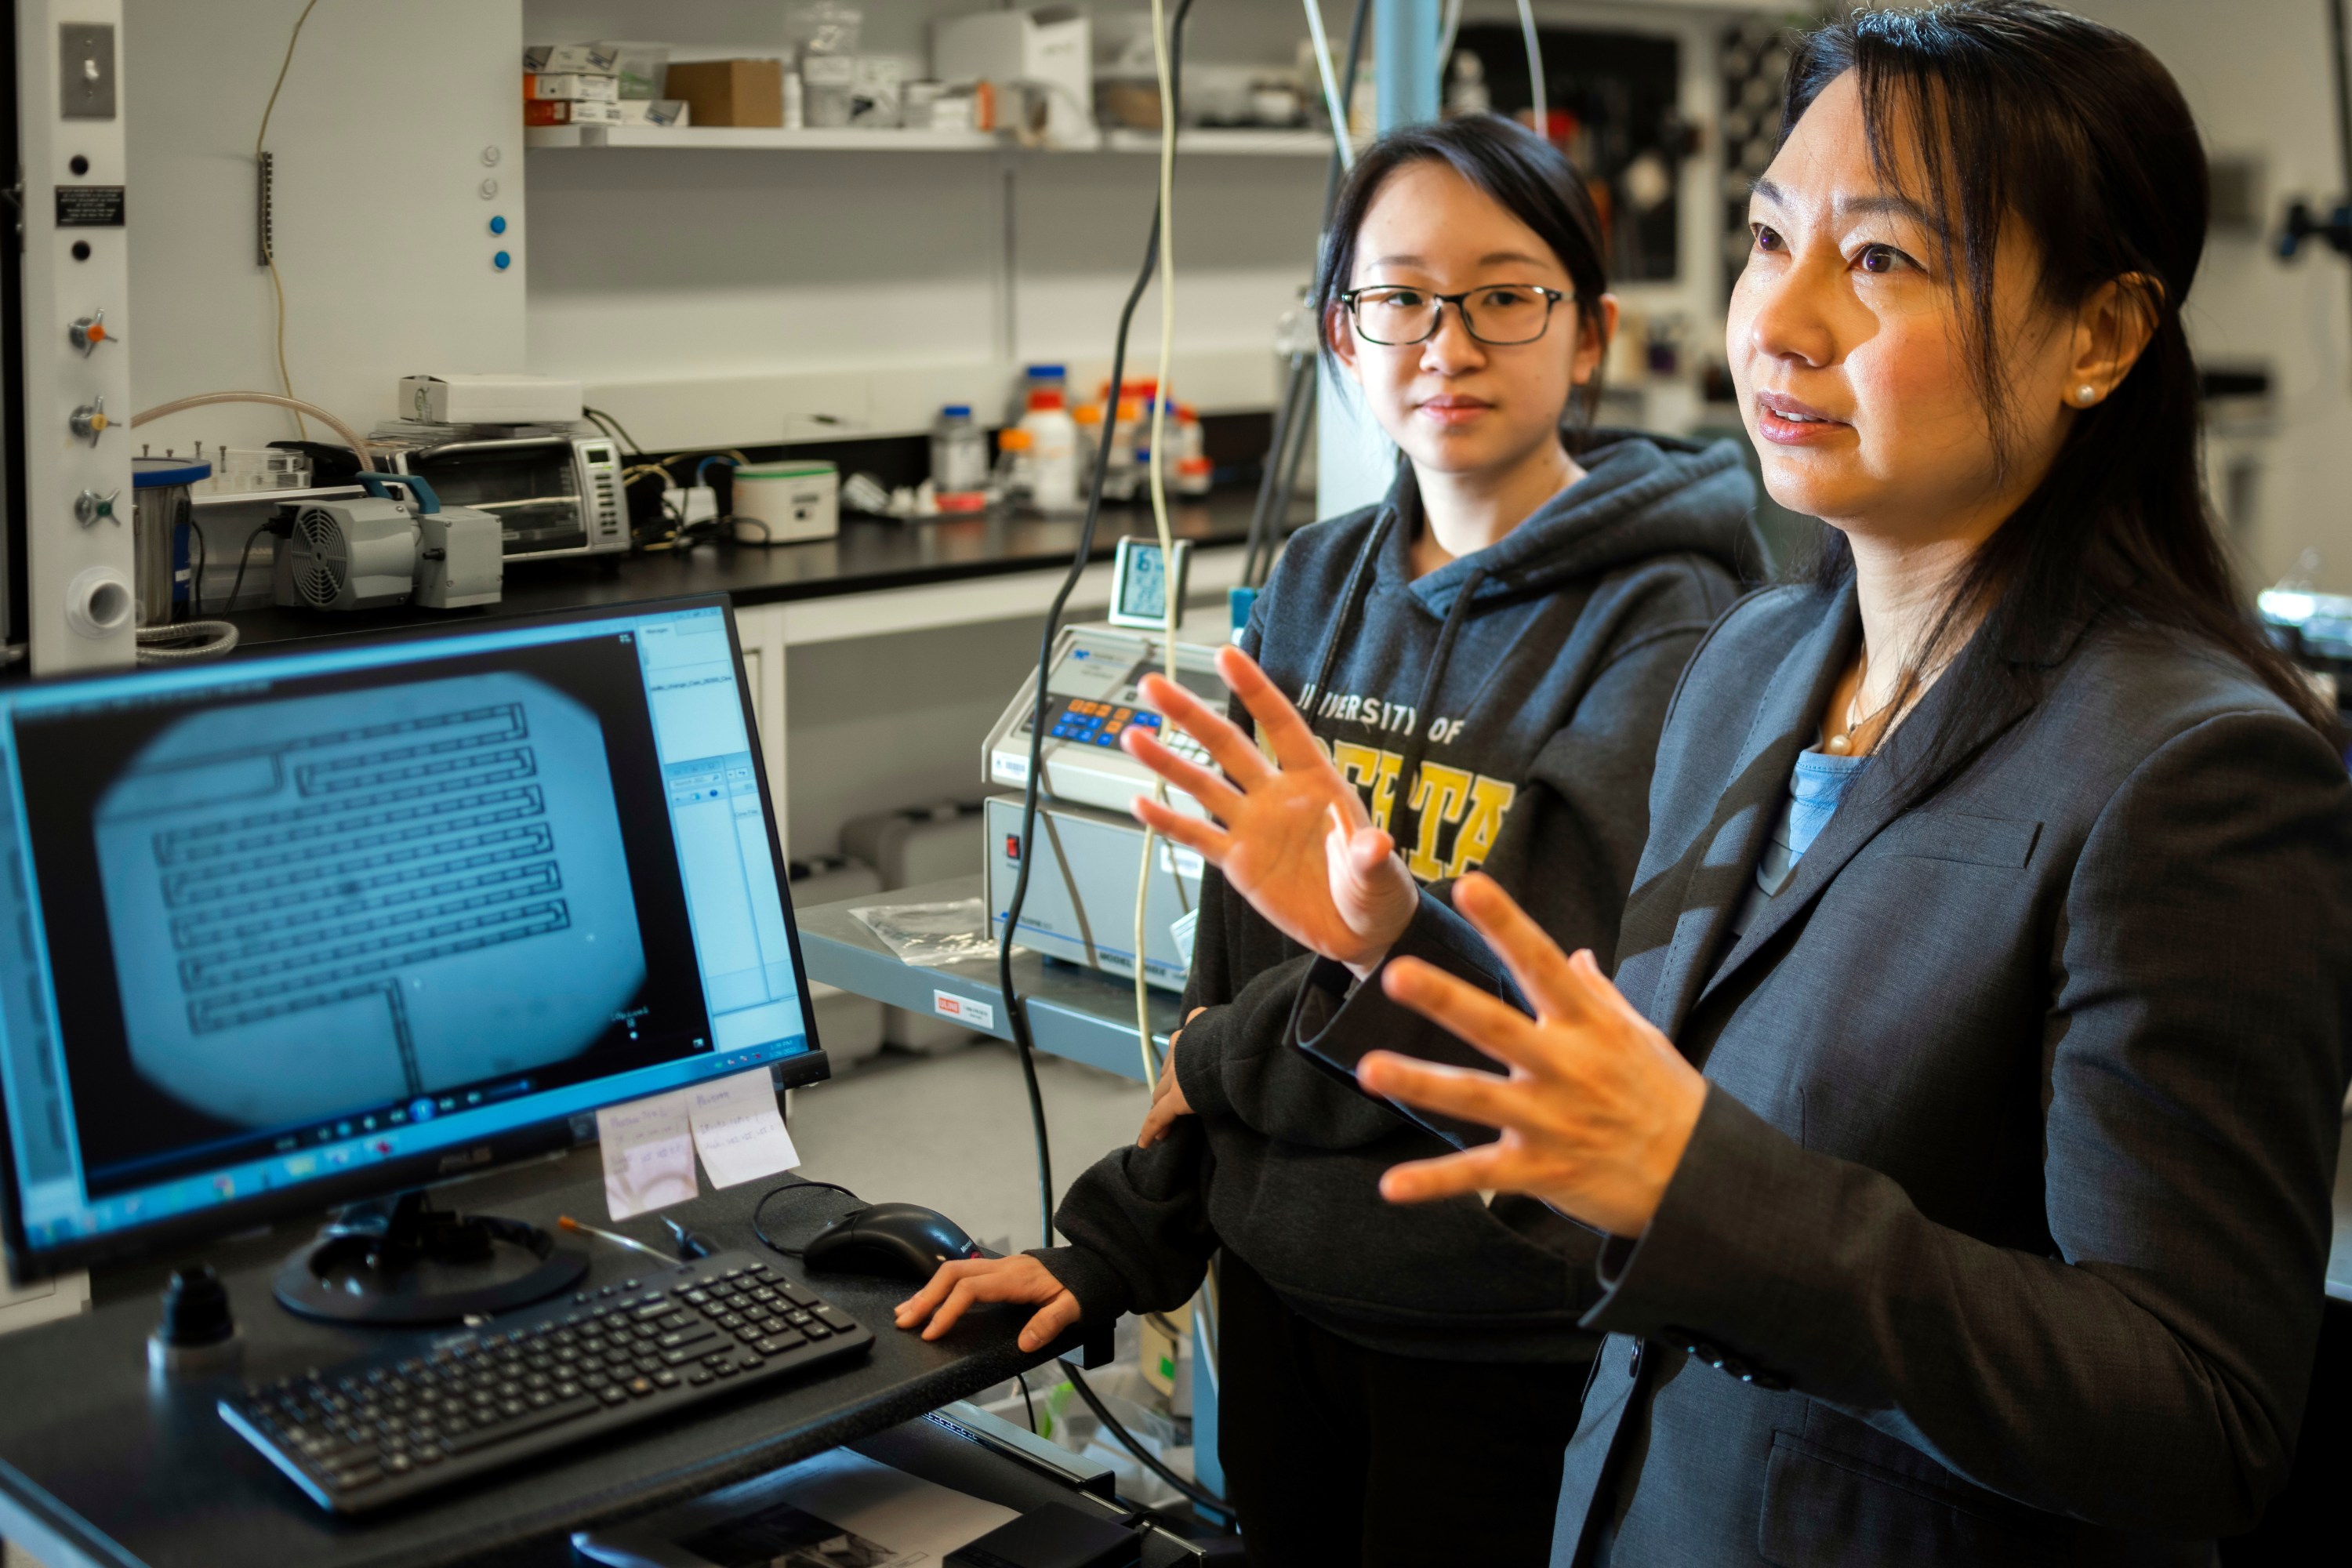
(381, 231)
(2256, 74)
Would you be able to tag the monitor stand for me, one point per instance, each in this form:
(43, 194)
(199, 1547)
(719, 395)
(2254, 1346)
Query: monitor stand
(405, 1261)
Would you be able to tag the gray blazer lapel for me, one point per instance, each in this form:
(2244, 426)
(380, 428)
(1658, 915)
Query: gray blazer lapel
(1891, 785)
(1722, 859)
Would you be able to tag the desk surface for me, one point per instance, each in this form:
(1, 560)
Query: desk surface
(1077, 1013)
(128, 1470)
(869, 555)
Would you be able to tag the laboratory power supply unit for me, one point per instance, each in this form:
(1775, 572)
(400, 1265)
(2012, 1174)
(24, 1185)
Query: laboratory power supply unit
(1081, 903)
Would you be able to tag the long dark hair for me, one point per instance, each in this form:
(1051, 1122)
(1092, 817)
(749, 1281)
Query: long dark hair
(1526, 175)
(2016, 109)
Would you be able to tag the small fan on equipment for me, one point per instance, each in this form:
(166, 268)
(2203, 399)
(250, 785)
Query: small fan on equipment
(367, 553)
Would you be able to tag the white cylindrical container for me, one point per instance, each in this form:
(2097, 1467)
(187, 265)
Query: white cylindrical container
(788, 501)
(1053, 453)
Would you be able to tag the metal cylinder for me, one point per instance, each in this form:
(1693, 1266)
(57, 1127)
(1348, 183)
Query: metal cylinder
(161, 519)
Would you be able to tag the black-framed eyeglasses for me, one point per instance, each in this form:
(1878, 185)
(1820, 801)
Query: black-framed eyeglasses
(1500, 315)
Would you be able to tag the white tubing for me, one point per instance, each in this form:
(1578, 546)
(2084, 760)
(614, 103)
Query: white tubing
(1535, 68)
(360, 448)
(1332, 98)
(1160, 399)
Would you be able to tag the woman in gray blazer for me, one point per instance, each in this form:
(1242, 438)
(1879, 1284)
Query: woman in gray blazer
(1963, 1113)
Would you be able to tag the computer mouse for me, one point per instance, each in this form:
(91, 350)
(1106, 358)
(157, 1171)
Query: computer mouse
(906, 1240)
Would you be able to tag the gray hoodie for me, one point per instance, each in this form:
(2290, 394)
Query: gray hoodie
(1499, 713)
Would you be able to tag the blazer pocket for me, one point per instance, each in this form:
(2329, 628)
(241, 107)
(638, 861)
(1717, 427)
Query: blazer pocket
(1828, 1509)
(2000, 841)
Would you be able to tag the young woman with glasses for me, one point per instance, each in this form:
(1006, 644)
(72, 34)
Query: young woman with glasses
(1963, 1111)
(1486, 657)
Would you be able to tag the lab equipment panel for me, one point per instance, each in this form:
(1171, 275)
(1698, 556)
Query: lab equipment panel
(1080, 907)
(1093, 691)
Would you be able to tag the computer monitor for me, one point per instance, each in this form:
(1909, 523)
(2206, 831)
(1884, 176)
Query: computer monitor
(302, 930)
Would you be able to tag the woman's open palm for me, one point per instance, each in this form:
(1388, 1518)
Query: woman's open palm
(1291, 833)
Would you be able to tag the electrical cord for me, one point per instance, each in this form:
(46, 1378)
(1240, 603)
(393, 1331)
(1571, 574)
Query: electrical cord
(614, 428)
(760, 1230)
(1015, 1018)
(270, 241)
(1197, 1496)
(237, 584)
(197, 571)
(1027, 1403)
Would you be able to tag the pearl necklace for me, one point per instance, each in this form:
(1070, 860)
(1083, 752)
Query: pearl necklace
(1841, 744)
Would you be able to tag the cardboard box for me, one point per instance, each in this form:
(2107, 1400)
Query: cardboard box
(729, 92)
(580, 85)
(563, 111)
(601, 58)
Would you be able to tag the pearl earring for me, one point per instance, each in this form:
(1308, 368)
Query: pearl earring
(2086, 394)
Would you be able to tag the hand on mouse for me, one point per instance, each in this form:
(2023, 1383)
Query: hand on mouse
(958, 1286)
(1167, 1102)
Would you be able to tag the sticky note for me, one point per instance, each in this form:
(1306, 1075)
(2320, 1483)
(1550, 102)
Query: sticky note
(648, 1155)
(739, 1130)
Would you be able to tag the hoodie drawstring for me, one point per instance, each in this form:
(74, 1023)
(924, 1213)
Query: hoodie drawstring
(1351, 602)
(1416, 743)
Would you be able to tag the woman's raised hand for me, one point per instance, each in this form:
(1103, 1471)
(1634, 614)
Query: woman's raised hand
(1291, 834)
(1598, 1106)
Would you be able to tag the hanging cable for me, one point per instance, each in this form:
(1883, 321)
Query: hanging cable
(1333, 102)
(1447, 31)
(1169, 607)
(269, 242)
(1535, 69)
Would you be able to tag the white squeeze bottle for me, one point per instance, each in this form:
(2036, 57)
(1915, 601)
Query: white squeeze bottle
(1053, 452)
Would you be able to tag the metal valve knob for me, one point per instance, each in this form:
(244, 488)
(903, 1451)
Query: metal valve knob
(89, 332)
(89, 506)
(89, 421)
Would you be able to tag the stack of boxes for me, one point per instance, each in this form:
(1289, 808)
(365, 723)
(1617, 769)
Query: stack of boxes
(593, 84)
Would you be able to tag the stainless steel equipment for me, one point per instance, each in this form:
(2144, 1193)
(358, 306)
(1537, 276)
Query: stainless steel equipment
(161, 528)
(554, 492)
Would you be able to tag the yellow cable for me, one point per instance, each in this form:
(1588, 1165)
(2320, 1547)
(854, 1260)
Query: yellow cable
(1168, 604)
(276, 285)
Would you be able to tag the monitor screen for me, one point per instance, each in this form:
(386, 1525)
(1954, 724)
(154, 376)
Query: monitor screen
(291, 928)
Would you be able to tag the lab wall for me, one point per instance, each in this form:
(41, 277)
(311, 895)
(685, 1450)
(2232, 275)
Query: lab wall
(2256, 74)
(380, 136)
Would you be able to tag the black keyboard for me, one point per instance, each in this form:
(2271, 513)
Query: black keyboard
(381, 1429)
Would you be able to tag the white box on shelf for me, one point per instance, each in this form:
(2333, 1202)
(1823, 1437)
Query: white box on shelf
(602, 59)
(481, 399)
(1046, 48)
(656, 111)
(581, 87)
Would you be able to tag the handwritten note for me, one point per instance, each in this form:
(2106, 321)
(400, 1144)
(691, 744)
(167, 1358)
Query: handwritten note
(648, 1155)
(739, 1130)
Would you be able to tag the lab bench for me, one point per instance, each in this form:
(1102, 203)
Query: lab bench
(105, 1465)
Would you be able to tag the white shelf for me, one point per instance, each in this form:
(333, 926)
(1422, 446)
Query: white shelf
(1217, 142)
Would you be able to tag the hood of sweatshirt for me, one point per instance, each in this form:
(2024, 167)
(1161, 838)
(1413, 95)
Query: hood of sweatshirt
(1642, 496)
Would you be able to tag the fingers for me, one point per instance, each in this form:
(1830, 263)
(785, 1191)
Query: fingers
(955, 1288)
(1534, 961)
(1476, 1170)
(1182, 827)
(1057, 1318)
(1484, 1098)
(1160, 1117)
(1284, 729)
(1220, 797)
(1492, 1024)
(1242, 761)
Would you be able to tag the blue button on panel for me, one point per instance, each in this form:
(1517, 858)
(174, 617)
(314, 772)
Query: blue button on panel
(497, 225)
(502, 261)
